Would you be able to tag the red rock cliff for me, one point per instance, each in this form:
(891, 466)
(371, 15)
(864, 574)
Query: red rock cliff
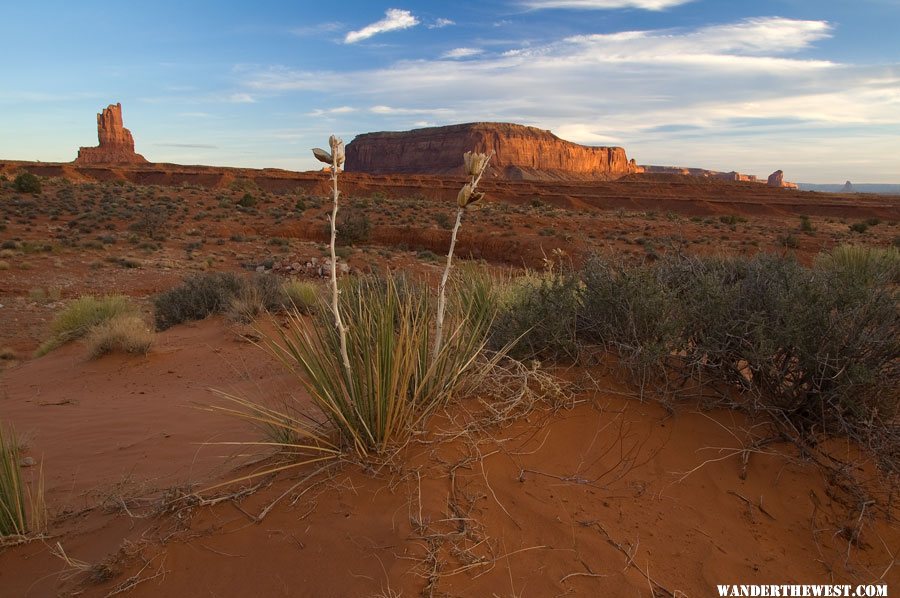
(520, 152)
(116, 143)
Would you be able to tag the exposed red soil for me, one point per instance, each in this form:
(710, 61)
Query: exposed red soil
(587, 500)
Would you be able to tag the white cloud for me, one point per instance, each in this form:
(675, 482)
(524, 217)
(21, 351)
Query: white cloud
(394, 19)
(604, 4)
(462, 53)
(714, 96)
(392, 111)
(317, 29)
(241, 98)
(332, 111)
(441, 23)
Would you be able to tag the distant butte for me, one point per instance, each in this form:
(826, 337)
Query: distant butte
(116, 143)
(520, 153)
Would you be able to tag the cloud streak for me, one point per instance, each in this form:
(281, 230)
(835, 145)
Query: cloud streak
(603, 4)
(722, 92)
(456, 53)
(394, 19)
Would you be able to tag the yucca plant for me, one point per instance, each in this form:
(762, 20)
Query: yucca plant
(393, 383)
(475, 164)
(13, 519)
(335, 160)
(862, 264)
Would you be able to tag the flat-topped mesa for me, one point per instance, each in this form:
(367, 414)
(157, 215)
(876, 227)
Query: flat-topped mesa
(520, 153)
(116, 143)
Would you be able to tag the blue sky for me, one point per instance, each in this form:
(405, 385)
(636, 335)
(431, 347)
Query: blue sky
(808, 86)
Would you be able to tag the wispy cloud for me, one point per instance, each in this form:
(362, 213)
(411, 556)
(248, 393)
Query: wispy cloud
(603, 4)
(332, 111)
(660, 93)
(187, 145)
(462, 53)
(440, 23)
(316, 29)
(392, 111)
(241, 98)
(394, 19)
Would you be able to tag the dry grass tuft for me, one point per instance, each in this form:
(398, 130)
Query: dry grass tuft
(121, 334)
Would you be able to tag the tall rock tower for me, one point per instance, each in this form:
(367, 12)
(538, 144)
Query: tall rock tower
(116, 143)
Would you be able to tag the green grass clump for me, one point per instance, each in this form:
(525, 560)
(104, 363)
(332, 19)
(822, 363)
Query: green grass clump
(301, 294)
(120, 334)
(13, 518)
(863, 264)
(81, 315)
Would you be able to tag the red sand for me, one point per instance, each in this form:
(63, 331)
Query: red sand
(591, 500)
(587, 500)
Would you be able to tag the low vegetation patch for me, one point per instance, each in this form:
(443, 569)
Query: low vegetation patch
(815, 347)
(22, 507)
(27, 183)
(83, 314)
(120, 334)
(203, 295)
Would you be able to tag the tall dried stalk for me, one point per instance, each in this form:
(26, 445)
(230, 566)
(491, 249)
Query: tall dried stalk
(476, 165)
(336, 160)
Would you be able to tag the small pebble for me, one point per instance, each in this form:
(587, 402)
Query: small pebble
(28, 462)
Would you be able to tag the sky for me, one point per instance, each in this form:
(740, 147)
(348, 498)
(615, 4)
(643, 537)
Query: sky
(811, 87)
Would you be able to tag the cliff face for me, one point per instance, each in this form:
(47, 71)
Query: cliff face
(520, 152)
(776, 179)
(116, 143)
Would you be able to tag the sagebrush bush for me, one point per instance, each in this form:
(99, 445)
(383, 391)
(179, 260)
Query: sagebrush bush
(198, 297)
(81, 315)
(27, 183)
(629, 309)
(121, 334)
(538, 313)
(354, 227)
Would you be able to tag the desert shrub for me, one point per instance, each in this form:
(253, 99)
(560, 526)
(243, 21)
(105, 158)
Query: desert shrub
(247, 201)
(196, 298)
(121, 334)
(788, 240)
(81, 315)
(353, 227)
(300, 294)
(859, 227)
(246, 305)
(537, 313)
(814, 346)
(806, 225)
(270, 290)
(27, 183)
(393, 383)
(629, 309)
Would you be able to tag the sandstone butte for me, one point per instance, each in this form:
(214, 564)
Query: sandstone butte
(520, 153)
(116, 143)
(776, 179)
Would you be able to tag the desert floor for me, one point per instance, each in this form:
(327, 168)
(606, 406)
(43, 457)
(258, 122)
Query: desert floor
(595, 490)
